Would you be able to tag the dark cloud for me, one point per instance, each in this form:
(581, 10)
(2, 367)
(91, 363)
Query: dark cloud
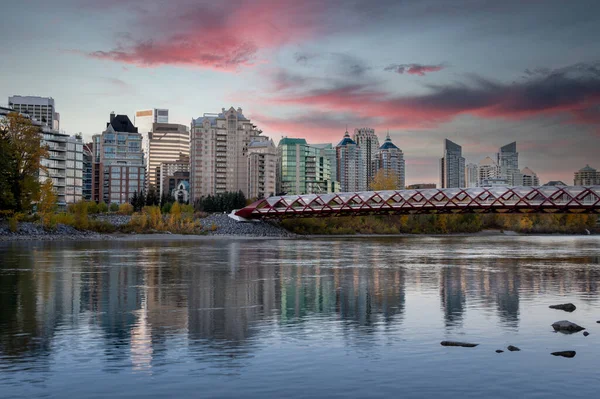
(572, 92)
(413, 69)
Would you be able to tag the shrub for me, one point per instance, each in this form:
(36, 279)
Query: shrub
(114, 207)
(13, 221)
(101, 226)
(125, 209)
(102, 207)
(92, 207)
(166, 208)
(79, 211)
(64, 218)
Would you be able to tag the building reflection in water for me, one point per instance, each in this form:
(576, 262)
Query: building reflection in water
(218, 297)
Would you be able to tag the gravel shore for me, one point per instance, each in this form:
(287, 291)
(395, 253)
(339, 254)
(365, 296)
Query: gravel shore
(213, 225)
(31, 231)
(225, 226)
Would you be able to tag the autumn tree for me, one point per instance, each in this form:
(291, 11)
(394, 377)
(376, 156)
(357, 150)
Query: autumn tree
(47, 202)
(384, 180)
(22, 152)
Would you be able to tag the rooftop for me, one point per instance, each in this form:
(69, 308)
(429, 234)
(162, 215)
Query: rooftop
(346, 140)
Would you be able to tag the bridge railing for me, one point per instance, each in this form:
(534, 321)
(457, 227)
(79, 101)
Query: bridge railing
(573, 199)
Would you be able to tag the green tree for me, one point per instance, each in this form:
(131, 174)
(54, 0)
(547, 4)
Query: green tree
(22, 152)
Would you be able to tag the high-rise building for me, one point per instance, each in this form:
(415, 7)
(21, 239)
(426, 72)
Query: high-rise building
(74, 171)
(487, 170)
(262, 168)
(390, 159)
(351, 168)
(119, 169)
(171, 173)
(64, 165)
(167, 142)
(88, 162)
(472, 175)
(329, 153)
(144, 120)
(508, 162)
(41, 109)
(219, 152)
(303, 168)
(529, 178)
(452, 166)
(368, 145)
(587, 176)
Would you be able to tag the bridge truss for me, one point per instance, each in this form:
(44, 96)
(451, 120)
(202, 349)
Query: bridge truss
(569, 199)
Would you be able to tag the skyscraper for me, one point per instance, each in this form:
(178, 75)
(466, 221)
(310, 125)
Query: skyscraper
(391, 159)
(368, 145)
(508, 162)
(166, 142)
(64, 165)
(42, 109)
(472, 175)
(303, 168)
(119, 170)
(529, 178)
(262, 168)
(144, 120)
(488, 169)
(351, 168)
(219, 152)
(88, 161)
(452, 166)
(587, 176)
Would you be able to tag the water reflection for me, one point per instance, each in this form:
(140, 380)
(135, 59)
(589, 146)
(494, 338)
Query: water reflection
(144, 302)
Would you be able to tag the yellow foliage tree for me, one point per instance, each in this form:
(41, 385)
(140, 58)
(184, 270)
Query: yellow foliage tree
(47, 203)
(525, 224)
(384, 180)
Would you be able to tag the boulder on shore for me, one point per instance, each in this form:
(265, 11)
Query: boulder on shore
(513, 348)
(567, 326)
(568, 354)
(455, 343)
(585, 333)
(567, 307)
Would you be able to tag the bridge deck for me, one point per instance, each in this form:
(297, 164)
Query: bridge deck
(570, 199)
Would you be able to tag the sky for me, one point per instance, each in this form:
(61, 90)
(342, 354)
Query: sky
(481, 73)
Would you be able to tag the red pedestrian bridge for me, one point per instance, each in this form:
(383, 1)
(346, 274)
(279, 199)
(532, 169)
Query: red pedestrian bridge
(551, 199)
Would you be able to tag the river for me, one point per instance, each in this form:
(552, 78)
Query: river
(298, 318)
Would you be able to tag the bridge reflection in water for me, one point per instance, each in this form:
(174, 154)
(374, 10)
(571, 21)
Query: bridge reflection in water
(572, 199)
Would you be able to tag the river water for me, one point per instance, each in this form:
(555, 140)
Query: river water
(298, 318)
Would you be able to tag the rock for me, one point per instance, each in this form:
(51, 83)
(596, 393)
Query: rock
(499, 351)
(585, 333)
(597, 321)
(567, 326)
(567, 307)
(455, 343)
(513, 348)
(568, 354)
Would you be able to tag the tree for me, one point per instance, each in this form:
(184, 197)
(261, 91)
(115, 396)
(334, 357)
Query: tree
(384, 180)
(22, 152)
(47, 203)
(152, 197)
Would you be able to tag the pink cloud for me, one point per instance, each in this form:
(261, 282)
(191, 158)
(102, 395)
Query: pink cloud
(220, 36)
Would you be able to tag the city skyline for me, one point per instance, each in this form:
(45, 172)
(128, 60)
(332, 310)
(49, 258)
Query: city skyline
(312, 75)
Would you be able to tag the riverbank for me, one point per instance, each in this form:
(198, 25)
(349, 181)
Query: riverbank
(215, 225)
